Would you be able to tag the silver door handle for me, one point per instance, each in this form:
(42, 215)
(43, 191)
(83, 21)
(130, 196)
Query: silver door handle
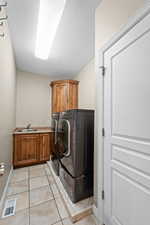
(55, 131)
(69, 149)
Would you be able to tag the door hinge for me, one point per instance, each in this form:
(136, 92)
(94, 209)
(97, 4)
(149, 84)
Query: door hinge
(103, 195)
(103, 70)
(103, 132)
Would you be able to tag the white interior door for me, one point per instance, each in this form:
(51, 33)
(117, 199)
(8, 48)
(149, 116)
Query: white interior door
(127, 128)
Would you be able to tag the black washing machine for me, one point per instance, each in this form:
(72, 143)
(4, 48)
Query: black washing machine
(76, 148)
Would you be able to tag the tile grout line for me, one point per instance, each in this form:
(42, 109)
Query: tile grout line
(29, 193)
(40, 188)
(46, 175)
(18, 193)
(41, 203)
(54, 197)
(13, 195)
(27, 189)
(18, 181)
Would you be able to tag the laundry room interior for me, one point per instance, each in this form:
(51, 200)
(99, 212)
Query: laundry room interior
(74, 112)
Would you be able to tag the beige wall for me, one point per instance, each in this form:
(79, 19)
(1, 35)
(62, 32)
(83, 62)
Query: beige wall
(33, 99)
(110, 16)
(86, 86)
(7, 103)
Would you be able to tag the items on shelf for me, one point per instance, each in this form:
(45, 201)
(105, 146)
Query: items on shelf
(4, 4)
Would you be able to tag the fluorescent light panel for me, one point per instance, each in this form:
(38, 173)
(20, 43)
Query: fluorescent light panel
(50, 13)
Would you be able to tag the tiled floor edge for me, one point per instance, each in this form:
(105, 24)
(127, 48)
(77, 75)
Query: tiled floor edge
(5, 189)
(96, 215)
(74, 217)
(77, 217)
(52, 172)
(95, 220)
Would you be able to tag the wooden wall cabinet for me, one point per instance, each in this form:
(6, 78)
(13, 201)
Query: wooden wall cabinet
(64, 95)
(32, 149)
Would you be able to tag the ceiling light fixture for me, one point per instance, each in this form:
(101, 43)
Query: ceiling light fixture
(50, 13)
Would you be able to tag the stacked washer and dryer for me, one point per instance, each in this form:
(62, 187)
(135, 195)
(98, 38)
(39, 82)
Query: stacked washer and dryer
(73, 156)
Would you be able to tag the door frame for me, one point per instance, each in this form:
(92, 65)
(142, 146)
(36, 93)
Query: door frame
(99, 115)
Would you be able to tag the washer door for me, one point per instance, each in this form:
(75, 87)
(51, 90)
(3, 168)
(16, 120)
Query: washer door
(64, 137)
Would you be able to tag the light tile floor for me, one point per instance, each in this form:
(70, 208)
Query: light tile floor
(38, 199)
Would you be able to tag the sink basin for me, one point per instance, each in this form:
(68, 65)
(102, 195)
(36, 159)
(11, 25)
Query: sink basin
(27, 130)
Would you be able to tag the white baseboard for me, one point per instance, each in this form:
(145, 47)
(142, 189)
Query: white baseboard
(5, 189)
(95, 215)
(95, 210)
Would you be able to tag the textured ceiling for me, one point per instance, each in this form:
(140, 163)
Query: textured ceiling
(73, 46)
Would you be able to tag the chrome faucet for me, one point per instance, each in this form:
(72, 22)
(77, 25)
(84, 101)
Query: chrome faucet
(28, 126)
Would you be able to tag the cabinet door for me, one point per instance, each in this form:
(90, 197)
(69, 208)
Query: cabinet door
(26, 149)
(64, 95)
(44, 147)
(60, 98)
(73, 97)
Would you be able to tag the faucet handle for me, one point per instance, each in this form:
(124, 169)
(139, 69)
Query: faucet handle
(28, 126)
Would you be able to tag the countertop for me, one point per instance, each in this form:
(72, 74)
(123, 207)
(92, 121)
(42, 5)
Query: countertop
(37, 130)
